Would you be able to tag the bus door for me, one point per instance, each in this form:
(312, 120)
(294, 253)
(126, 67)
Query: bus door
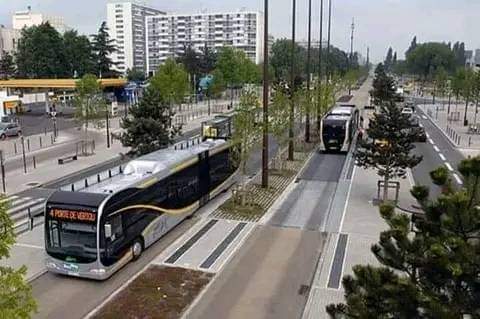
(204, 177)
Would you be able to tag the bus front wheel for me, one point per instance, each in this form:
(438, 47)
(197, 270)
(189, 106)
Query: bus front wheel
(137, 249)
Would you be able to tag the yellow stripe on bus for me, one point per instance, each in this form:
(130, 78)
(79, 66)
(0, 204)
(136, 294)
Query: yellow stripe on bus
(180, 211)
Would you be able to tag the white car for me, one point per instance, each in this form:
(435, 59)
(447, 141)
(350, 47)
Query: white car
(407, 110)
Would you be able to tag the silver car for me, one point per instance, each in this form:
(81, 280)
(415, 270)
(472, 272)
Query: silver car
(10, 129)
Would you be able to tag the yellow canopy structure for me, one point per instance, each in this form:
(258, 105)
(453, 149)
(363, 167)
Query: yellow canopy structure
(55, 83)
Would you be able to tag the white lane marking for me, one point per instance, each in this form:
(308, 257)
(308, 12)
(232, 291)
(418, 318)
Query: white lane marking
(450, 168)
(435, 147)
(410, 178)
(427, 135)
(424, 117)
(431, 141)
(457, 178)
(421, 125)
(28, 246)
(442, 157)
(348, 199)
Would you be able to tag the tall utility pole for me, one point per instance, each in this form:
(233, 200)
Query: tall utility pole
(292, 86)
(320, 48)
(265, 100)
(351, 42)
(368, 56)
(329, 38)
(309, 48)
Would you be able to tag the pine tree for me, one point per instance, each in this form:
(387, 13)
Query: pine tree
(389, 60)
(412, 47)
(149, 126)
(383, 87)
(103, 47)
(430, 272)
(394, 60)
(7, 66)
(388, 149)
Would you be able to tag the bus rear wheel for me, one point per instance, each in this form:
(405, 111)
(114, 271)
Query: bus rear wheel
(137, 249)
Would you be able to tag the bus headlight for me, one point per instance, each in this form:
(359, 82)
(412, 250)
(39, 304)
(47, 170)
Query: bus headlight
(51, 265)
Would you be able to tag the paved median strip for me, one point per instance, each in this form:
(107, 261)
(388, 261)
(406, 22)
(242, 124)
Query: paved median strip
(182, 250)
(338, 260)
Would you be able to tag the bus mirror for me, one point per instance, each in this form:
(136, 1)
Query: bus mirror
(108, 231)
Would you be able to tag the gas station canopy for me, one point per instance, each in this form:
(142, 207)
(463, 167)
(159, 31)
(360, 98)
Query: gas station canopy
(56, 83)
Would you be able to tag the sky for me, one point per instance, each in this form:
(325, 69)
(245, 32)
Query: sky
(378, 23)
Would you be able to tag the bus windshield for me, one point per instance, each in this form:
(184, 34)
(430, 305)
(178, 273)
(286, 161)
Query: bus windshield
(71, 240)
(334, 128)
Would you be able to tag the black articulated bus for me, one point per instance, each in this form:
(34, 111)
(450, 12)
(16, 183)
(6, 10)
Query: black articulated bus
(95, 232)
(338, 129)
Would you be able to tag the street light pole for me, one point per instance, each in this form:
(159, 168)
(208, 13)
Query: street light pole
(108, 128)
(309, 48)
(292, 85)
(329, 38)
(265, 99)
(320, 53)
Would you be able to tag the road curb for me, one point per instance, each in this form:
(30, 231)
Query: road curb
(440, 129)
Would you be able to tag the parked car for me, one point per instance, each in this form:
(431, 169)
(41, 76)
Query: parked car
(9, 129)
(421, 135)
(407, 110)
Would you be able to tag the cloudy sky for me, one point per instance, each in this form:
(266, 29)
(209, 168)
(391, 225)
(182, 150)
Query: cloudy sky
(379, 23)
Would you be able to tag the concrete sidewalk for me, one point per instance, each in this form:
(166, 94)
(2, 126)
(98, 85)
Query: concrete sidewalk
(360, 229)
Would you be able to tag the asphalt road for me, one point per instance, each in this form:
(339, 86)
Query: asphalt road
(437, 151)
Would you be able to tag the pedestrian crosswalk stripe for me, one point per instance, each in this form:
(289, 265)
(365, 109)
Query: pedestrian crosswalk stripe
(19, 201)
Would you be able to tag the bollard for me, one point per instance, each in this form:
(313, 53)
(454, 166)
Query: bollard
(469, 141)
(109, 173)
(86, 183)
(30, 218)
(73, 187)
(45, 131)
(98, 178)
(28, 144)
(15, 147)
(40, 141)
(34, 162)
(120, 169)
(459, 140)
(51, 139)
(175, 147)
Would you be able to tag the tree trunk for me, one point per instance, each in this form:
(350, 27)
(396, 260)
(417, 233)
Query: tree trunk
(385, 187)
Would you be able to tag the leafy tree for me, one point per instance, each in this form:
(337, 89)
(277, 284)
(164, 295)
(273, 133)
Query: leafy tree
(467, 90)
(279, 110)
(191, 61)
(207, 60)
(78, 54)
(388, 149)
(457, 82)
(441, 82)
(135, 75)
(281, 60)
(427, 58)
(89, 101)
(383, 87)
(429, 273)
(171, 81)
(350, 79)
(40, 53)
(7, 66)
(246, 133)
(149, 126)
(400, 68)
(16, 299)
(103, 48)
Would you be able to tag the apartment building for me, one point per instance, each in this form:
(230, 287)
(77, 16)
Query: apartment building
(126, 23)
(21, 19)
(8, 39)
(169, 35)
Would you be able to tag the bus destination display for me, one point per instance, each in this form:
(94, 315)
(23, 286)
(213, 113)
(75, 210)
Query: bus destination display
(72, 215)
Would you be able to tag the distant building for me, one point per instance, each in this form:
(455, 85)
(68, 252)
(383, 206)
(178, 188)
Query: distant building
(169, 35)
(126, 23)
(8, 39)
(271, 41)
(27, 19)
(477, 56)
(469, 60)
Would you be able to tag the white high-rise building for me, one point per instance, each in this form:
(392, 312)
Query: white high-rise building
(8, 39)
(169, 35)
(126, 23)
(28, 19)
